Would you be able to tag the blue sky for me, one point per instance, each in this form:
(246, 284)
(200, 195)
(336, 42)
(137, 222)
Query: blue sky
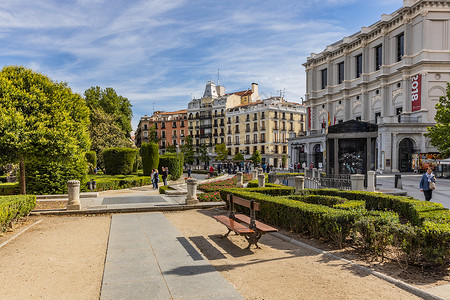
(162, 52)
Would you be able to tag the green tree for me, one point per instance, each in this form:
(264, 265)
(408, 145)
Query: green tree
(152, 135)
(256, 158)
(105, 133)
(188, 150)
(238, 156)
(171, 149)
(221, 151)
(203, 154)
(440, 133)
(283, 161)
(42, 121)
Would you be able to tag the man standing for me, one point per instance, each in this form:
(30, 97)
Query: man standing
(165, 174)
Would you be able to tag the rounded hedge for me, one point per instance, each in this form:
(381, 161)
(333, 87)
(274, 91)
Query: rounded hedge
(150, 157)
(173, 162)
(91, 158)
(119, 161)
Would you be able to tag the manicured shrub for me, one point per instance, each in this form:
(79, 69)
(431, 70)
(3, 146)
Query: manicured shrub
(119, 161)
(150, 157)
(51, 178)
(106, 182)
(164, 188)
(91, 158)
(14, 207)
(319, 199)
(9, 188)
(173, 162)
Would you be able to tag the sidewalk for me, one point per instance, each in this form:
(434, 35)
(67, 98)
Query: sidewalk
(148, 258)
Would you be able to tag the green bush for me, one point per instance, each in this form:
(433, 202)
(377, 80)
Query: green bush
(14, 207)
(91, 158)
(107, 182)
(319, 199)
(173, 162)
(150, 157)
(164, 188)
(119, 161)
(351, 205)
(51, 178)
(254, 183)
(9, 188)
(278, 190)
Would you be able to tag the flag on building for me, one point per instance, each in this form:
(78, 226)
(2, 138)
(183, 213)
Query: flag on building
(329, 120)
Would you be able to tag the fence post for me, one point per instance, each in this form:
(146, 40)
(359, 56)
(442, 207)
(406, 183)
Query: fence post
(371, 181)
(299, 184)
(261, 180)
(357, 182)
(73, 191)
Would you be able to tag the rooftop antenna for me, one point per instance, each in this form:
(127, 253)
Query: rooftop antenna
(218, 76)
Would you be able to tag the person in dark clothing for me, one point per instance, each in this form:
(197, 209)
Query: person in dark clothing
(424, 184)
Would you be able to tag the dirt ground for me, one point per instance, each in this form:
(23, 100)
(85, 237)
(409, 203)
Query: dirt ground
(59, 258)
(63, 258)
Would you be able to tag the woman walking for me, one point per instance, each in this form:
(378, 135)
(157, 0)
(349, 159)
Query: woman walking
(428, 184)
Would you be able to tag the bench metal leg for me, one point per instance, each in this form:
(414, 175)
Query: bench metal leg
(226, 235)
(253, 240)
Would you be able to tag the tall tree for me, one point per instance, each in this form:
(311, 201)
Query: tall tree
(256, 158)
(203, 154)
(221, 151)
(440, 133)
(110, 119)
(41, 120)
(188, 150)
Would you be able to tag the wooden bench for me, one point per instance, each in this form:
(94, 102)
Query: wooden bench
(241, 224)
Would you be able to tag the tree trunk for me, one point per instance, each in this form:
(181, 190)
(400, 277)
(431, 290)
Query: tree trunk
(23, 189)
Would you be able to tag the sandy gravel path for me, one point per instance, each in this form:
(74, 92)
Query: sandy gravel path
(59, 258)
(279, 270)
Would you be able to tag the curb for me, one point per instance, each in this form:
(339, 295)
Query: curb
(403, 285)
(129, 209)
(16, 235)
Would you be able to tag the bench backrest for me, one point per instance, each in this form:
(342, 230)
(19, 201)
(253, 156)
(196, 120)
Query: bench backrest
(244, 202)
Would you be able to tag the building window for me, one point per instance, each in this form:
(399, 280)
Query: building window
(236, 139)
(291, 126)
(263, 115)
(163, 134)
(237, 119)
(182, 124)
(400, 46)
(255, 116)
(255, 126)
(340, 72)
(229, 140)
(378, 57)
(156, 125)
(174, 124)
(263, 125)
(275, 125)
(398, 112)
(358, 59)
(377, 115)
(237, 129)
(247, 139)
(182, 132)
(145, 127)
(263, 137)
(255, 138)
(323, 74)
(163, 125)
(276, 115)
(174, 133)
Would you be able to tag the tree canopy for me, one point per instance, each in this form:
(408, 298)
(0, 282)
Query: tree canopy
(221, 151)
(188, 150)
(40, 119)
(256, 158)
(440, 133)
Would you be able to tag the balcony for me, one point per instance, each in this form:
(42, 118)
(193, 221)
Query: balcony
(247, 130)
(202, 117)
(216, 134)
(206, 135)
(237, 143)
(222, 124)
(247, 142)
(263, 128)
(190, 127)
(204, 126)
(229, 132)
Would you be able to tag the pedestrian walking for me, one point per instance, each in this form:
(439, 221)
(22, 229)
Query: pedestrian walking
(428, 184)
(211, 172)
(155, 179)
(165, 174)
(189, 172)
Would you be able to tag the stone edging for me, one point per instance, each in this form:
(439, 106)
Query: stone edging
(16, 235)
(403, 285)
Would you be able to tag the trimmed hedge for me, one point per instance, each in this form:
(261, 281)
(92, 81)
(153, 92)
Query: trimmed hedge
(374, 230)
(14, 207)
(173, 162)
(9, 188)
(164, 188)
(105, 183)
(91, 158)
(150, 157)
(320, 199)
(119, 161)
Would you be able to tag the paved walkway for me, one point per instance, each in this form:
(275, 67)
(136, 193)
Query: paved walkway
(148, 258)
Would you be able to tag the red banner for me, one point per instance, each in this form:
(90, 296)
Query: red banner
(416, 92)
(309, 118)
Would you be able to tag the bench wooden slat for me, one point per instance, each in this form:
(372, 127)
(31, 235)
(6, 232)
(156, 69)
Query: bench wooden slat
(261, 226)
(246, 203)
(233, 225)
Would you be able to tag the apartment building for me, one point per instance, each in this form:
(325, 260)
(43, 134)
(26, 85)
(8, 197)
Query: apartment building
(170, 128)
(264, 126)
(391, 75)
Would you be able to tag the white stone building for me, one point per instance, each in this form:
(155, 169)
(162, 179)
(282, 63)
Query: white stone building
(391, 74)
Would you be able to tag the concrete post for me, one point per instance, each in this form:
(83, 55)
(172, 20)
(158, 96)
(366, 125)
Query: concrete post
(73, 190)
(255, 174)
(371, 181)
(315, 173)
(191, 191)
(299, 184)
(260, 170)
(357, 182)
(240, 179)
(261, 180)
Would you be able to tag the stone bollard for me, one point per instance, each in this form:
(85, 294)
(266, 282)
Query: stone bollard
(357, 182)
(240, 179)
(191, 191)
(260, 170)
(73, 190)
(315, 173)
(299, 184)
(255, 174)
(398, 182)
(261, 180)
(371, 181)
